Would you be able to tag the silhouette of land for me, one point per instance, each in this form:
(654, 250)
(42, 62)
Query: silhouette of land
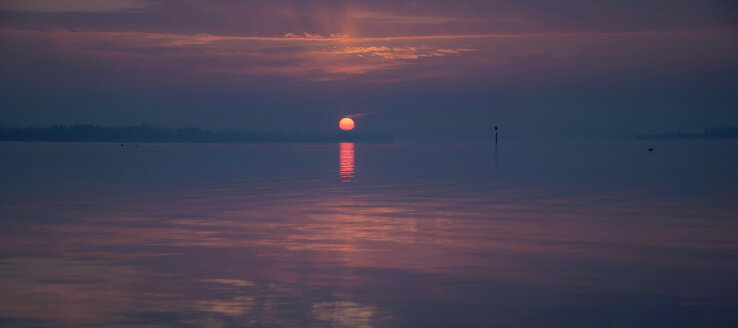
(144, 133)
(730, 132)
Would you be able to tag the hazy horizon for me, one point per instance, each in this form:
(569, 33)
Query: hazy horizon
(481, 136)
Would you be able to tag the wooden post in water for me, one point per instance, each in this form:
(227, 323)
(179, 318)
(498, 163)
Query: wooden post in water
(495, 134)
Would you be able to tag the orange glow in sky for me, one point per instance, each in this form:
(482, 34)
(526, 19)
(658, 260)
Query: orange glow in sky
(346, 124)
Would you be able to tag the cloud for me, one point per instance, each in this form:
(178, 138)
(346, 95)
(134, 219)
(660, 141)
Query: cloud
(306, 35)
(401, 52)
(359, 115)
(312, 57)
(306, 56)
(391, 18)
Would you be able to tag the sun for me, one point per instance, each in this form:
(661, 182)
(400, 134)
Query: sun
(346, 124)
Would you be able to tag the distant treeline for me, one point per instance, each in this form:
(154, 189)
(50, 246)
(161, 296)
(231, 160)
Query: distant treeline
(145, 133)
(730, 132)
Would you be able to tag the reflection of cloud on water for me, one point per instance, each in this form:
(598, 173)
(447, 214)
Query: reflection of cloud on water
(232, 282)
(62, 292)
(345, 314)
(280, 304)
(390, 231)
(236, 306)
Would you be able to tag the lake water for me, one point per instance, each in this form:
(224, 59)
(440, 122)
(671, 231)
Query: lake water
(599, 234)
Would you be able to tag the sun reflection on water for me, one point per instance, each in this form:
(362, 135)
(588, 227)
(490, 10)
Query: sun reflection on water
(346, 161)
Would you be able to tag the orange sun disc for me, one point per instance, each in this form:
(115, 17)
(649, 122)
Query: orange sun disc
(346, 124)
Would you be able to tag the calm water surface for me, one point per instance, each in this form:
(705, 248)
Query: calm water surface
(600, 234)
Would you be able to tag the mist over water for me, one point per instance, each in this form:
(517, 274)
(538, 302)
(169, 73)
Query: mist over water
(569, 234)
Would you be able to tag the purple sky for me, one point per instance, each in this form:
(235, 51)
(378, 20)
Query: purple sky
(447, 69)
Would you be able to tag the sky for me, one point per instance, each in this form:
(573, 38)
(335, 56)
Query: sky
(422, 70)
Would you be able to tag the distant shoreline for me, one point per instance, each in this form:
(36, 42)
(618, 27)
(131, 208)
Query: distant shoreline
(708, 134)
(682, 137)
(199, 142)
(147, 134)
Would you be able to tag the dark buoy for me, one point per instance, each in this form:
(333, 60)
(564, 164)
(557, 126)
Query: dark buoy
(650, 149)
